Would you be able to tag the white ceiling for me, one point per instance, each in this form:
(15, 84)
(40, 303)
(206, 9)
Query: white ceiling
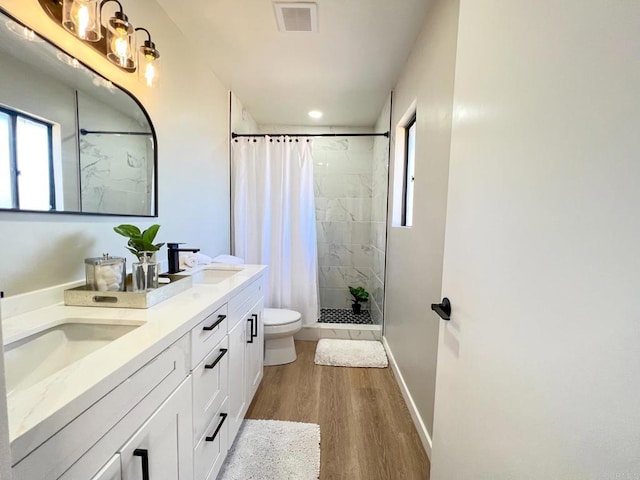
(346, 70)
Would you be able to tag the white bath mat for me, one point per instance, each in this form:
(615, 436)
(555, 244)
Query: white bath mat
(351, 353)
(274, 450)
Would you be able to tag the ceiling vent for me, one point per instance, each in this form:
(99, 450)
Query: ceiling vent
(296, 17)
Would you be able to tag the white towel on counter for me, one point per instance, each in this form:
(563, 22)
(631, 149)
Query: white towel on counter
(191, 260)
(228, 259)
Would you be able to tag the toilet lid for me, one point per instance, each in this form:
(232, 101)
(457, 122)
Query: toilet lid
(279, 316)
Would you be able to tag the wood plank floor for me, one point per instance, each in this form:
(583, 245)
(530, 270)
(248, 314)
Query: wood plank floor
(365, 428)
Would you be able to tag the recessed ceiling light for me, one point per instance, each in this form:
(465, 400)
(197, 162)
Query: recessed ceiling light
(315, 114)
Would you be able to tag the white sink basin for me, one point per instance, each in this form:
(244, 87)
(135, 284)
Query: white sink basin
(212, 276)
(34, 358)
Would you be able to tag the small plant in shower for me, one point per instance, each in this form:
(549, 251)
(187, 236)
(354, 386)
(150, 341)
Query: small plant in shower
(359, 294)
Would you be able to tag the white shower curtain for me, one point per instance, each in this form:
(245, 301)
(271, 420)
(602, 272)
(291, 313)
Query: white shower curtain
(274, 218)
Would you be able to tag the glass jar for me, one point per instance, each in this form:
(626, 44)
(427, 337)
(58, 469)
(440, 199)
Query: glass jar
(145, 272)
(106, 274)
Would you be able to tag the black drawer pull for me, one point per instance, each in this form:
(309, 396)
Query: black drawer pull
(251, 330)
(255, 323)
(215, 434)
(216, 323)
(223, 352)
(144, 456)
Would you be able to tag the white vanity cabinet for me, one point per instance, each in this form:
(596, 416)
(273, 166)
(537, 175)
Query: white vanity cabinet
(246, 346)
(88, 442)
(227, 359)
(161, 448)
(237, 386)
(175, 417)
(254, 354)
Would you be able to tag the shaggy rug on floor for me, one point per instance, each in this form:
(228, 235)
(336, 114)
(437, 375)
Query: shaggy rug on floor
(351, 353)
(274, 450)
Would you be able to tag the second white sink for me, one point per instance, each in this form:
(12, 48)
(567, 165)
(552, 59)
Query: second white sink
(212, 276)
(34, 358)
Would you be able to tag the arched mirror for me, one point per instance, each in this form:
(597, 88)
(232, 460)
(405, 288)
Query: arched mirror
(70, 140)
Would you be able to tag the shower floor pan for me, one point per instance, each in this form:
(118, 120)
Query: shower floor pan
(343, 315)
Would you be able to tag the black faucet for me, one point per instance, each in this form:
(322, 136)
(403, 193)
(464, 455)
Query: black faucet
(173, 254)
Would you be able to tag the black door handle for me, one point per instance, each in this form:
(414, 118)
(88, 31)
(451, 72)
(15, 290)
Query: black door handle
(250, 330)
(254, 324)
(442, 309)
(144, 456)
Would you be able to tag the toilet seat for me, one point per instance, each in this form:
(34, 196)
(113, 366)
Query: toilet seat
(279, 316)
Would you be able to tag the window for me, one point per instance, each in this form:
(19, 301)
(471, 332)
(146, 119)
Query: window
(26, 162)
(409, 169)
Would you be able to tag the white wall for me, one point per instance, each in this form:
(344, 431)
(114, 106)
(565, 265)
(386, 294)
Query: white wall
(414, 255)
(538, 372)
(190, 111)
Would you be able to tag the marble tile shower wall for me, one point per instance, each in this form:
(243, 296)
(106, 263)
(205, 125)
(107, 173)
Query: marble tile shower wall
(343, 178)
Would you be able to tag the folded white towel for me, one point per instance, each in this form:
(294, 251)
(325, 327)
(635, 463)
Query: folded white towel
(190, 260)
(228, 259)
(202, 258)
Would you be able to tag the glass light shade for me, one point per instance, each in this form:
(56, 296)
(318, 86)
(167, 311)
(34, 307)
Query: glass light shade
(82, 18)
(121, 41)
(148, 64)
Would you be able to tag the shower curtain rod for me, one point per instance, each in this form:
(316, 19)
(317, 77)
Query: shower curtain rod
(103, 132)
(240, 135)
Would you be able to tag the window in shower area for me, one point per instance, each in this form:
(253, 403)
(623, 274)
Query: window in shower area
(350, 179)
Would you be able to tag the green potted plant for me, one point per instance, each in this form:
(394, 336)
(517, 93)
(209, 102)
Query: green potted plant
(359, 295)
(140, 241)
(144, 273)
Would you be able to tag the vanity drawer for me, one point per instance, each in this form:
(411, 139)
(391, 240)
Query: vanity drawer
(243, 301)
(154, 381)
(211, 449)
(207, 334)
(210, 386)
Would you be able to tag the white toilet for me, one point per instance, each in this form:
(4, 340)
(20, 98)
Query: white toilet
(279, 327)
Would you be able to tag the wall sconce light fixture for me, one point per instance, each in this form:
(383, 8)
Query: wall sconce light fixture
(148, 61)
(115, 39)
(120, 38)
(82, 18)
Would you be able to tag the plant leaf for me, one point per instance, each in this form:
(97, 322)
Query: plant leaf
(127, 230)
(150, 233)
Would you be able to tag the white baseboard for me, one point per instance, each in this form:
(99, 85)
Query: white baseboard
(413, 410)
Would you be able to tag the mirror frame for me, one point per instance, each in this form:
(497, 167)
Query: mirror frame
(154, 201)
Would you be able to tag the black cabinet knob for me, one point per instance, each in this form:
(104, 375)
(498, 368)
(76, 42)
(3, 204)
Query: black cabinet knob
(443, 309)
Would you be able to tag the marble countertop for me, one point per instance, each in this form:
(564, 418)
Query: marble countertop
(37, 412)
